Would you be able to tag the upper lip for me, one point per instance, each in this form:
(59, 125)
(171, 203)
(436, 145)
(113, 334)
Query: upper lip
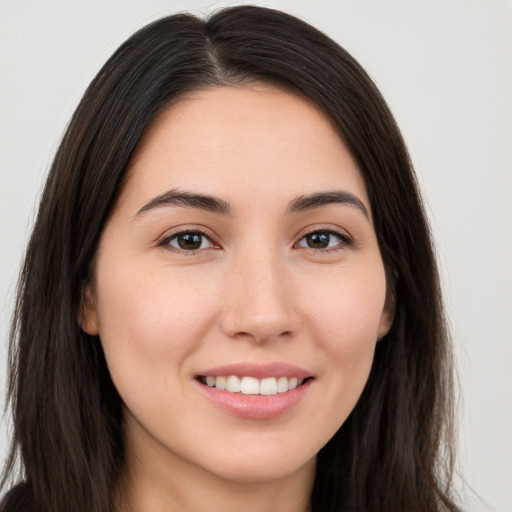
(258, 371)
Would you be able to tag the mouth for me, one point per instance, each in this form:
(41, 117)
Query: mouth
(248, 385)
(255, 391)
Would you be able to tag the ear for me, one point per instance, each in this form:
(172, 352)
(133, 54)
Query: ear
(88, 316)
(386, 318)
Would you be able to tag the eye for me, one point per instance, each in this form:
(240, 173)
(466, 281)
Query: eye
(188, 241)
(323, 239)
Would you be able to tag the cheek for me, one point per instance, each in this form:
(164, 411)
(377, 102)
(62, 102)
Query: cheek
(147, 321)
(344, 317)
(346, 311)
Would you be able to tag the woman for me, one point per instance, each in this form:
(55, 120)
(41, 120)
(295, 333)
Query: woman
(230, 298)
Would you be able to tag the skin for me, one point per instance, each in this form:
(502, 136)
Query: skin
(255, 291)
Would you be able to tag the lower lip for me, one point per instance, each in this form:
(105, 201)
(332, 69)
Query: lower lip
(256, 407)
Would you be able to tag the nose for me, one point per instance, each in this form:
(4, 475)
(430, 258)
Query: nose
(260, 305)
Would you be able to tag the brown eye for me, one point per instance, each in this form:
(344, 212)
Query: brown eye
(190, 241)
(318, 240)
(322, 240)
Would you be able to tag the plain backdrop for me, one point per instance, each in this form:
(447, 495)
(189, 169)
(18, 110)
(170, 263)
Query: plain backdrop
(445, 69)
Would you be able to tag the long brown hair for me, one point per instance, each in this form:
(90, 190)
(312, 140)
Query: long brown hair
(394, 452)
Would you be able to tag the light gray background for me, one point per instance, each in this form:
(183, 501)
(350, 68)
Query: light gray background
(445, 68)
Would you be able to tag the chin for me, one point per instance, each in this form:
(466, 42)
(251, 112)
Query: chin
(263, 469)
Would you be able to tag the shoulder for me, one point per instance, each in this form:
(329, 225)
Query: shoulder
(18, 499)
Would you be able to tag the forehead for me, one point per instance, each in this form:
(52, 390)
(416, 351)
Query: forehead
(238, 138)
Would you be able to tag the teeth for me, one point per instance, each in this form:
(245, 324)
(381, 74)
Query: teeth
(233, 384)
(268, 386)
(250, 386)
(282, 385)
(220, 383)
(253, 386)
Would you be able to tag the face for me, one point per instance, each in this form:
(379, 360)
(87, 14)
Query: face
(238, 288)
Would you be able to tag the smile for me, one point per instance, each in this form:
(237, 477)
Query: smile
(255, 391)
(251, 385)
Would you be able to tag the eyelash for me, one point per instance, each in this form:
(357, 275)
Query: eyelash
(344, 241)
(166, 242)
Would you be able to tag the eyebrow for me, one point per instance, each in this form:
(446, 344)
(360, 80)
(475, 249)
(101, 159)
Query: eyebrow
(319, 199)
(188, 200)
(216, 205)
